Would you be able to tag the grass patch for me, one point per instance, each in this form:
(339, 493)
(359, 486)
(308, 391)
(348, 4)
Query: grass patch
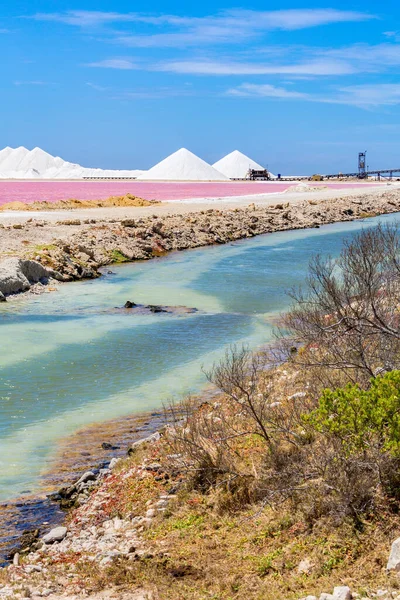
(118, 257)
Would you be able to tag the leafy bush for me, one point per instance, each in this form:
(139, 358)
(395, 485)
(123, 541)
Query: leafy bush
(362, 419)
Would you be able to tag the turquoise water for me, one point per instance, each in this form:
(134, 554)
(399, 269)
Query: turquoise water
(67, 360)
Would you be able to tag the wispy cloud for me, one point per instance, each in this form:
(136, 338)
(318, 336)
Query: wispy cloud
(227, 27)
(368, 56)
(114, 63)
(365, 96)
(265, 91)
(161, 92)
(32, 83)
(95, 86)
(369, 95)
(313, 67)
(84, 18)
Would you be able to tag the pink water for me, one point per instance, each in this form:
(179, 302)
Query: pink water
(30, 191)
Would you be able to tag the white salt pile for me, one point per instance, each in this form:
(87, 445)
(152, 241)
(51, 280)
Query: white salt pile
(236, 165)
(21, 163)
(183, 165)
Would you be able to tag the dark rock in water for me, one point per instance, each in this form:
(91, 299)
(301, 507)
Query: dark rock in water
(129, 304)
(108, 446)
(156, 309)
(143, 309)
(110, 273)
(26, 542)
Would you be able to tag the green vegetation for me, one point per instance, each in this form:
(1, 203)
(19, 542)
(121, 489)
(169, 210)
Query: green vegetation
(362, 419)
(118, 257)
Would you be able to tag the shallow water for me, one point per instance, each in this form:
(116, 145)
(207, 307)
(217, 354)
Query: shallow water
(68, 360)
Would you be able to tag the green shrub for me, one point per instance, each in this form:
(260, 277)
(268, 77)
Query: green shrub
(362, 419)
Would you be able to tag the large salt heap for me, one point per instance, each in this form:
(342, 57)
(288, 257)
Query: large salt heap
(236, 165)
(20, 163)
(183, 165)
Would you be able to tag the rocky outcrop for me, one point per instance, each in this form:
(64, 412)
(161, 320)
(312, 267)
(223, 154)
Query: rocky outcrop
(79, 251)
(99, 244)
(17, 275)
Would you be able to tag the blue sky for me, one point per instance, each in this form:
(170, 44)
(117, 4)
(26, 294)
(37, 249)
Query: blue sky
(300, 87)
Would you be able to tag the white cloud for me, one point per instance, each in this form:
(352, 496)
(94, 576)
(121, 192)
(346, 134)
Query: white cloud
(95, 86)
(368, 57)
(264, 91)
(226, 27)
(153, 93)
(32, 83)
(314, 67)
(368, 95)
(365, 96)
(84, 18)
(114, 63)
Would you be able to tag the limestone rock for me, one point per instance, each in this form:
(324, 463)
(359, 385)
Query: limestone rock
(55, 535)
(342, 592)
(17, 275)
(151, 439)
(88, 476)
(394, 557)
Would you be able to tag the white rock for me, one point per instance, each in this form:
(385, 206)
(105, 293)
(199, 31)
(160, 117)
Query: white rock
(342, 592)
(88, 476)
(113, 463)
(55, 535)
(305, 566)
(17, 275)
(150, 513)
(394, 557)
(325, 596)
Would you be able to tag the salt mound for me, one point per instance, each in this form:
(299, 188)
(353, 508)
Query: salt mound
(183, 165)
(236, 165)
(13, 159)
(20, 163)
(41, 161)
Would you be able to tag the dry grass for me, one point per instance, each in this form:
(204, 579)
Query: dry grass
(196, 553)
(206, 547)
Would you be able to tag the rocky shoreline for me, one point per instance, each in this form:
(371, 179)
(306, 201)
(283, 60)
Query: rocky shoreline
(91, 449)
(54, 565)
(78, 249)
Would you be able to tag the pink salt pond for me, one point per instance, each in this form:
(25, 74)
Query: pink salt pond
(31, 191)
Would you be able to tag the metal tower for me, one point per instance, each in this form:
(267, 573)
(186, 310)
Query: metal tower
(362, 161)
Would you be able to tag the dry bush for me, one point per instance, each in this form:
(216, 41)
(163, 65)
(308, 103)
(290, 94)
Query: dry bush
(250, 447)
(347, 318)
